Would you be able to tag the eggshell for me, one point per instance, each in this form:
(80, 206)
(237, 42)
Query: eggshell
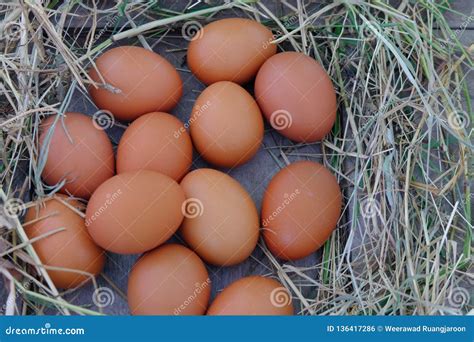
(300, 209)
(230, 49)
(71, 248)
(158, 142)
(144, 82)
(78, 152)
(253, 295)
(134, 212)
(297, 96)
(226, 125)
(221, 222)
(170, 280)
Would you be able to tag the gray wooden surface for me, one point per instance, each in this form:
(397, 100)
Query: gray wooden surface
(466, 34)
(254, 175)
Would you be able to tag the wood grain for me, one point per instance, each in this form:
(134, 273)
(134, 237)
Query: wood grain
(254, 176)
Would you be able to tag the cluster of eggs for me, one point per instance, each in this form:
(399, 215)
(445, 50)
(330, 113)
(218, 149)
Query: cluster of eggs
(142, 196)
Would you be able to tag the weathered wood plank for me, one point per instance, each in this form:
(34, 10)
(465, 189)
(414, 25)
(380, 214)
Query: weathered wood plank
(254, 176)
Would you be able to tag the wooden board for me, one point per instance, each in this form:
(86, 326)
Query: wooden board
(254, 176)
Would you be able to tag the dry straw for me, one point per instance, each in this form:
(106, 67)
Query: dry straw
(401, 146)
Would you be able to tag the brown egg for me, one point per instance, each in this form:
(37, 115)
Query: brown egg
(170, 280)
(253, 295)
(134, 212)
(221, 222)
(296, 96)
(158, 142)
(300, 209)
(142, 82)
(71, 248)
(226, 125)
(230, 49)
(79, 152)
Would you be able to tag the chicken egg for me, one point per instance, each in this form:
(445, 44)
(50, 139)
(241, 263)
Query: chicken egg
(135, 81)
(134, 212)
(158, 142)
(226, 125)
(169, 280)
(254, 295)
(70, 253)
(300, 209)
(296, 96)
(79, 152)
(221, 221)
(231, 49)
